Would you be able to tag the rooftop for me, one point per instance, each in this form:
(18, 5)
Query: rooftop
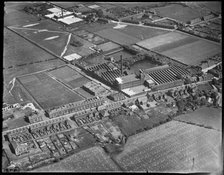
(126, 79)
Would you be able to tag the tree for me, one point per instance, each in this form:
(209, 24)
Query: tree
(99, 13)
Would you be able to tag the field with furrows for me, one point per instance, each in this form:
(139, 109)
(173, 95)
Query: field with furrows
(172, 147)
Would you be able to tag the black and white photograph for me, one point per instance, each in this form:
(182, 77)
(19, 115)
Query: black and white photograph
(107, 87)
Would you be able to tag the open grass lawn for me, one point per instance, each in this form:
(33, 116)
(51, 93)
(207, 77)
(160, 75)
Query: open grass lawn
(90, 160)
(178, 12)
(171, 147)
(117, 36)
(204, 116)
(55, 42)
(15, 16)
(47, 91)
(66, 4)
(215, 6)
(18, 51)
(141, 32)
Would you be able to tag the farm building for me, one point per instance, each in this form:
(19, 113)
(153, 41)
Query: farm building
(196, 20)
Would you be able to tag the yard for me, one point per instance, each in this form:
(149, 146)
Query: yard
(47, 91)
(91, 160)
(209, 117)
(173, 147)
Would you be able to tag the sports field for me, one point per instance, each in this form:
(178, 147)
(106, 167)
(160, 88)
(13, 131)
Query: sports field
(47, 91)
(178, 12)
(210, 117)
(69, 76)
(141, 32)
(182, 47)
(90, 160)
(117, 36)
(173, 147)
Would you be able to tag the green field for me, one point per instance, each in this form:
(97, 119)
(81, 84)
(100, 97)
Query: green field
(43, 38)
(117, 36)
(209, 117)
(47, 91)
(171, 147)
(90, 160)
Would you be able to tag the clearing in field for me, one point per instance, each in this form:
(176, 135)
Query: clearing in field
(117, 37)
(142, 33)
(47, 91)
(210, 117)
(69, 76)
(160, 40)
(91, 160)
(193, 53)
(178, 12)
(171, 147)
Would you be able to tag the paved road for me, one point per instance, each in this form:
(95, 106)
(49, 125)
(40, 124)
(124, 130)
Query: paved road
(111, 105)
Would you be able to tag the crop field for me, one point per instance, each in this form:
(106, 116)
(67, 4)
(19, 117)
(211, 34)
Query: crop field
(174, 146)
(91, 160)
(178, 12)
(142, 33)
(47, 91)
(108, 46)
(69, 76)
(160, 40)
(213, 6)
(186, 49)
(193, 53)
(82, 50)
(117, 37)
(53, 41)
(204, 116)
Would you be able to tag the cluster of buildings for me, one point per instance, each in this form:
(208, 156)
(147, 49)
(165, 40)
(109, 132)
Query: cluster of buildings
(95, 89)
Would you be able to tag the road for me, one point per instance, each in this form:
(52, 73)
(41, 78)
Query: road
(111, 105)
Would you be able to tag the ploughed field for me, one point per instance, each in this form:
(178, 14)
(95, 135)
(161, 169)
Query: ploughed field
(90, 160)
(209, 117)
(181, 47)
(172, 147)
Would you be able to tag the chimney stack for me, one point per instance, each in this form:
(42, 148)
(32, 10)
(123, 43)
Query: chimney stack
(121, 65)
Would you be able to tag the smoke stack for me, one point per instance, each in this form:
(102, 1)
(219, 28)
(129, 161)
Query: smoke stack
(121, 65)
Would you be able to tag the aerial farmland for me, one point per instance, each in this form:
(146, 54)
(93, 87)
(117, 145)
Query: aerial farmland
(112, 87)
